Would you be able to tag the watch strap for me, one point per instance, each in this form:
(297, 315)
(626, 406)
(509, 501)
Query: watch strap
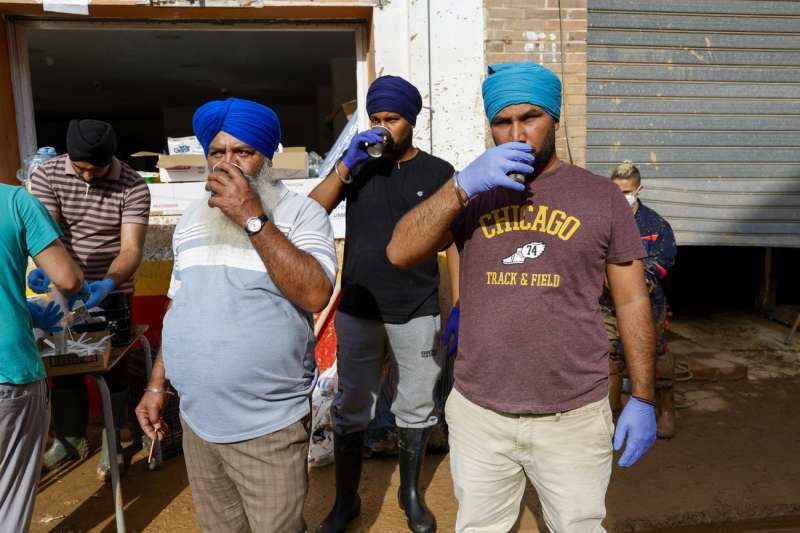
(263, 218)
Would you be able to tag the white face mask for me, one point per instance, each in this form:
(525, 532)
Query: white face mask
(631, 197)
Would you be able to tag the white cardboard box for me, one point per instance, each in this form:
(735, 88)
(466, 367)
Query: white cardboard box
(184, 146)
(174, 198)
(337, 216)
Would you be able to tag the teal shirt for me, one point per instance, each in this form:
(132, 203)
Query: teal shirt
(26, 228)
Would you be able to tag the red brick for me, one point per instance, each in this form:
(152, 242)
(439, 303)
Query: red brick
(527, 3)
(541, 14)
(495, 46)
(568, 4)
(504, 13)
(577, 14)
(494, 34)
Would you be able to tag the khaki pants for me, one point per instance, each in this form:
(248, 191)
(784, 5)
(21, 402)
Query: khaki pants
(567, 457)
(256, 486)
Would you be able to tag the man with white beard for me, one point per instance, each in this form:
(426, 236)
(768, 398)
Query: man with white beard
(252, 262)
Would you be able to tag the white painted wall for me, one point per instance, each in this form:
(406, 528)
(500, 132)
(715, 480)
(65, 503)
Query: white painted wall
(456, 52)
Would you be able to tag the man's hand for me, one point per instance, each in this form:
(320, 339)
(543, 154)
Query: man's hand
(233, 194)
(46, 318)
(99, 291)
(83, 294)
(357, 151)
(637, 423)
(451, 331)
(491, 168)
(149, 410)
(39, 281)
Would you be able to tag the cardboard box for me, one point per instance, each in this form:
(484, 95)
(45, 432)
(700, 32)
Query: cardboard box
(179, 168)
(184, 146)
(174, 198)
(337, 216)
(292, 158)
(68, 364)
(292, 163)
(182, 168)
(348, 108)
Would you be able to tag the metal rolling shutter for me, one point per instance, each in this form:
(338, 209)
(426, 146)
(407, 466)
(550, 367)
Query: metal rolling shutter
(704, 96)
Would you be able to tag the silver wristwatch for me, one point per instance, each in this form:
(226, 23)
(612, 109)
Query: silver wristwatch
(254, 224)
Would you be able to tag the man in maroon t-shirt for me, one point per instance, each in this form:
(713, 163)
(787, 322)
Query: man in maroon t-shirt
(531, 375)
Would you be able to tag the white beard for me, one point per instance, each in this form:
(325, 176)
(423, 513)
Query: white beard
(222, 230)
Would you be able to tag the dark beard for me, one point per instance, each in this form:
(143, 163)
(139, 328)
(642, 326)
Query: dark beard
(396, 150)
(544, 154)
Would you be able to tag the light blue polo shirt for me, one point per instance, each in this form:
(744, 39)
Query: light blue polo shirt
(240, 354)
(26, 228)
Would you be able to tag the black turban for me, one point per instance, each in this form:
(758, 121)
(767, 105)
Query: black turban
(92, 141)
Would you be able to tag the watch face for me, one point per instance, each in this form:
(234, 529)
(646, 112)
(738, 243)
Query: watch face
(254, 224)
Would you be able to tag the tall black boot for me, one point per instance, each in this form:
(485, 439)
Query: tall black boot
(119, 402)
(412, 453)
(348, 451)
(70, 408)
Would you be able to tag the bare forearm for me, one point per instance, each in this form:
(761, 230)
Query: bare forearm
(635, 323)
(297, 274)
(60, 267)
(638, 339)
(328, 193)
(124, 266)
(453, 272)
(425, 229)
(158, 376)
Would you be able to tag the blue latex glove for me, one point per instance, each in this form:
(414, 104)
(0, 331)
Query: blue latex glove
(98, 291)
(637, 423)
(451, 330)
(83, 294)
(46, 318)
(39, 281)
(491, 168)
(357, 151)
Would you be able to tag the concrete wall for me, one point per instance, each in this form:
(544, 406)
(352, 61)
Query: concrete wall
(455, 51)
(528, 30)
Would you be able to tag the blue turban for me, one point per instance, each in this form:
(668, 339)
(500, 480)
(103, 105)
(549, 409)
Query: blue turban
(250, 122)
(396, 95)
(521, 83)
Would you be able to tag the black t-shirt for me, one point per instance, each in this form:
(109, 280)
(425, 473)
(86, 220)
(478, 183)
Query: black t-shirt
(381, 193)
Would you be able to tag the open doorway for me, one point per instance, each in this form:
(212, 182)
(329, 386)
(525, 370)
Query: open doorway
(148, 78)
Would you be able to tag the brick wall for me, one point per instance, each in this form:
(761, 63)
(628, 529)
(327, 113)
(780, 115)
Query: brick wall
(528, 30)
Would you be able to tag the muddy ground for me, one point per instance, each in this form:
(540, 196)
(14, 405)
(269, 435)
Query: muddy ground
(734, 465)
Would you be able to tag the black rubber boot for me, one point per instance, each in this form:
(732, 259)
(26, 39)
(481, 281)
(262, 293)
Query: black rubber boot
(119, 402)
(70, 408)
(412, 454)
(348, 452)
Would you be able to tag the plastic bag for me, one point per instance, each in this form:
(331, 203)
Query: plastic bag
(314, 162)
(339, 147)
(320, 450)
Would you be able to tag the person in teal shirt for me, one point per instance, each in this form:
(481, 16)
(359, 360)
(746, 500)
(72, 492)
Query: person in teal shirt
(26, 229)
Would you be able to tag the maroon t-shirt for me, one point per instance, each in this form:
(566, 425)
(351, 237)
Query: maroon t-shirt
(531, 338)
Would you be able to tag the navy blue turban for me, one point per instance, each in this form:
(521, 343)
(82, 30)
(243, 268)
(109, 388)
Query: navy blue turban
(395, 95)
(521, 83)
(250, 122)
